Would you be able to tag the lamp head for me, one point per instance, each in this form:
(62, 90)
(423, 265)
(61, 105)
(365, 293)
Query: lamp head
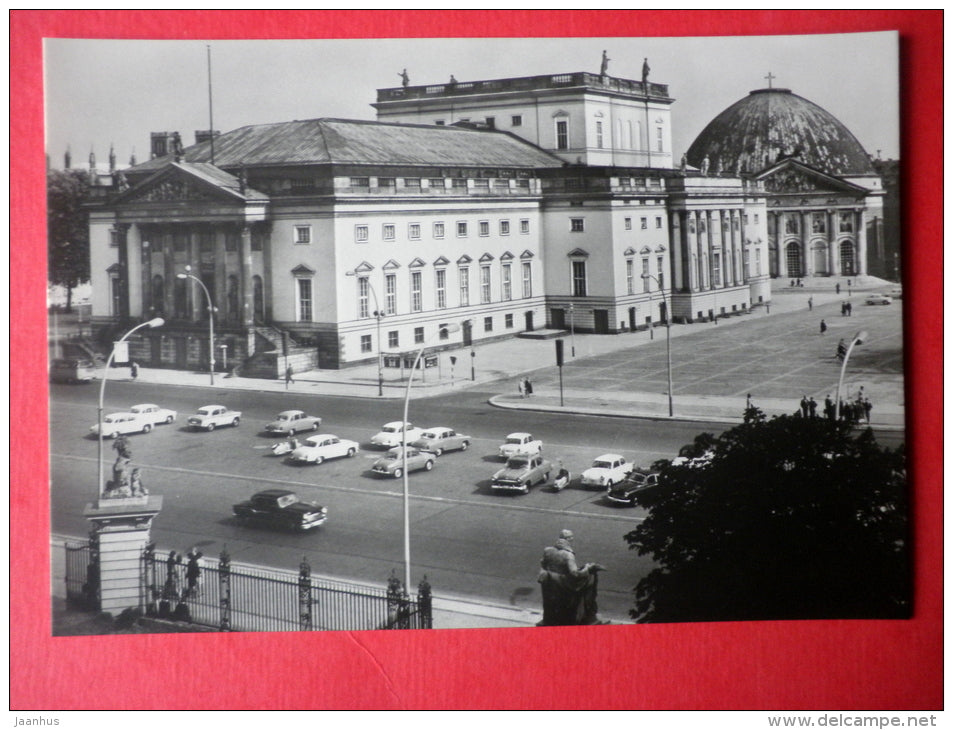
(157, 322)
(860, 337)
(181, 276)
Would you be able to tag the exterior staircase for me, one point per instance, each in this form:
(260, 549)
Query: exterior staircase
(269, 361)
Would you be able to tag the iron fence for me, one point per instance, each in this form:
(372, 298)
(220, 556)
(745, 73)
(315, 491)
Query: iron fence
(232, 597)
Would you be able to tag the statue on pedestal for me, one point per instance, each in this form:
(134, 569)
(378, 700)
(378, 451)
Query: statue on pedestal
(569, 592)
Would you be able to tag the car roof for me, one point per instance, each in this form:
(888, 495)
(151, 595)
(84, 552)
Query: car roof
(144, 405)
(291, 412)
(438, 428)
(120, 413)
(273, 493)
(212, 406)
(518, 434)
(395, 424)
(609, 457)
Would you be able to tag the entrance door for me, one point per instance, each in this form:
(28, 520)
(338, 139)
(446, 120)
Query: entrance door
(529, 321)
(601, 321)
(155, 344)
(820, 260)
(558, 317)
(632, 322)
(181, 352)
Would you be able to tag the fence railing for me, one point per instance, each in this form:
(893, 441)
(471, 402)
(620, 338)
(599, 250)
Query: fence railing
(230, 597)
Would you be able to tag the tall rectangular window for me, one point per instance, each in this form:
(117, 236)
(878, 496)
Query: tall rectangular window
(416, 295)
(527, 280)
(488, 324)
(393, 339)
(524, 225)
(757, 261)
(630, 276)
(643, 223)
(660, 271)
(628, 224)
(438, 229)
(464, 287)
(484, 228)
(484, 284)
(441, 278)
(562, 135)
(418, 335)
(304, 300)
(461, 229)
(659, 140)
(599, 135)
(507, 282)
(579, 278)
(366, 343)
(716, 269)
(504, 228)
(846, 222)
(646, 281)
(390, 293)
(363, 308)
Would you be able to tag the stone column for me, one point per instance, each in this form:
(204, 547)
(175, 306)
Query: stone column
(806, 251)
(779, 246)
(122, 242)
(831, 242)
(860, 251)
(248, 289)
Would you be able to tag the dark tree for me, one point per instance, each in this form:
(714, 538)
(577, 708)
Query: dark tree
(67, 229)
(787, 518)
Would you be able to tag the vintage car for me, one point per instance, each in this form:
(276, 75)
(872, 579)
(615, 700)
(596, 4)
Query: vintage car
(605, 471)
(281, 508)
(520, 473)
(71, 370)
(520, 443)
(209, 417)
(438, 439)
(316, 449)
(638, 481)
(878, 299)
(153, 414)
(121, 423)
(392, 463)
(292, 422)
(392, 434)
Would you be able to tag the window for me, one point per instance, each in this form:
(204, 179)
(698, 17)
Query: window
(484, 228)
(504, 228)
(441, 276)
(791, 224)
(458, 183)
(660, 271)
(365, 343)
(757, 261)
(390, 293)
(579, 278)
(388, 232)
(628, 224)
(562, 135)
(756, 219)
(437, 183)
(658, 221)
(302, 234)
(438, 229)
(413, 231)
(304, 300)
(360, 182)
(818, 222)
(393, 339)
(507, 282)
(630, 276)
(646, 281)
(491, 122)
(387, 182)
(524, 225)
(488, 324)
(461, 229)
(716, 269)
(363, 310)
(516, 120)
(660, 147)
(361, 234)
(599, 135)
(418, 335)
(643, 223)
(484, 284)
(846, 222)
(577, 225)
(444, 329)
(464, 287)
(412, 183)
(527, 280)
(508, 321)
(416, 297)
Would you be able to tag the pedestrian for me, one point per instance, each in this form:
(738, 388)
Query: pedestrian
(837, 287)
(829, 407)
(812, 407)
(529, 388)
(850, 308)
(193, 573)
(289, 376)
(868, 406)
(804, 406)
(810, 303)
(134, 369)
(843, 309)
(823, 326)
(520, 386)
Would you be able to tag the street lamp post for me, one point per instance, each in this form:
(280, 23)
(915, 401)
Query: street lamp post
(668, 341)
(157, 322)
(858, 340)
(378, 315)
(403, 439)
(211, 321)
(572, 328)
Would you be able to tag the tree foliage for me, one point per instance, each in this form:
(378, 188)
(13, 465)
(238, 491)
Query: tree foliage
(779, 519)
(67, 228)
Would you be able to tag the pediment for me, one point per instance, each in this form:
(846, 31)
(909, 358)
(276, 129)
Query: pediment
(463, 260)
(629, 252)
(790, 177)
(506, 256)
(390, 265)
(364, 267)
(302, 270)
(181, 182)
(441, 261)
(527, 254)
(578, 253)
(486, 257)
(417, 263)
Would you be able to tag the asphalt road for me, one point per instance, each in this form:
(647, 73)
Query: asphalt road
(466, 540)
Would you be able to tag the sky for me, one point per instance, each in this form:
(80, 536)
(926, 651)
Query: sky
(102, 93)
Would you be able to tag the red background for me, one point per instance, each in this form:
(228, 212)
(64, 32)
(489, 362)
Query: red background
(819, 665)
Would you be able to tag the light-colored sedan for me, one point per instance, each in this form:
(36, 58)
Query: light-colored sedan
(520, 444)
(292, 422)
(438, 439)
(392, 463)
(605, 471)
(392, 434)
(153, 414)
(878, 299)
(121, 423)
(316, 449)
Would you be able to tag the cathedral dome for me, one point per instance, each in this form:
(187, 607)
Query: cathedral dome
(771, 124)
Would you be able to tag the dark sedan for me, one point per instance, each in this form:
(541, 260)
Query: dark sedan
(638, 481)
(281, 508)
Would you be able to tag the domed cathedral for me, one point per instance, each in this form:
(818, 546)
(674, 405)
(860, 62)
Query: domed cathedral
(824, 197)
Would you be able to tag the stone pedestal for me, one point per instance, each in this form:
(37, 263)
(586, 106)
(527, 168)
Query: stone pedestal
(120, 529)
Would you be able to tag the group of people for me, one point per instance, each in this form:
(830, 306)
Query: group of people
(569, 592)
(525, 387)
(845, 309)
(853, 411)
(173, 588)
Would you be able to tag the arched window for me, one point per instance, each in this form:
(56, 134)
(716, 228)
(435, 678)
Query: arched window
(847, 263)
(258, 293)
(158, 294)
(793, 254)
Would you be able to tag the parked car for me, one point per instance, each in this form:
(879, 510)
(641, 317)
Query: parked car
(281, 508)
(153, 414)
(520, 473)
(292, 422)
(605, 471)
(392, 434)
(638, 481)
(878, 299)
(520, 443)
(71, 370)
(316, 449)
(121, 423)
(392, 463)
(209, 417)
(895, 293)
(438, 439)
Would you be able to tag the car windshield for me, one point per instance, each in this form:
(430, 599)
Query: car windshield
(518, 463)
(514, 440)
(597, 464)
(638, 478)
(428, 435)
(282, 417)
(390, 429)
